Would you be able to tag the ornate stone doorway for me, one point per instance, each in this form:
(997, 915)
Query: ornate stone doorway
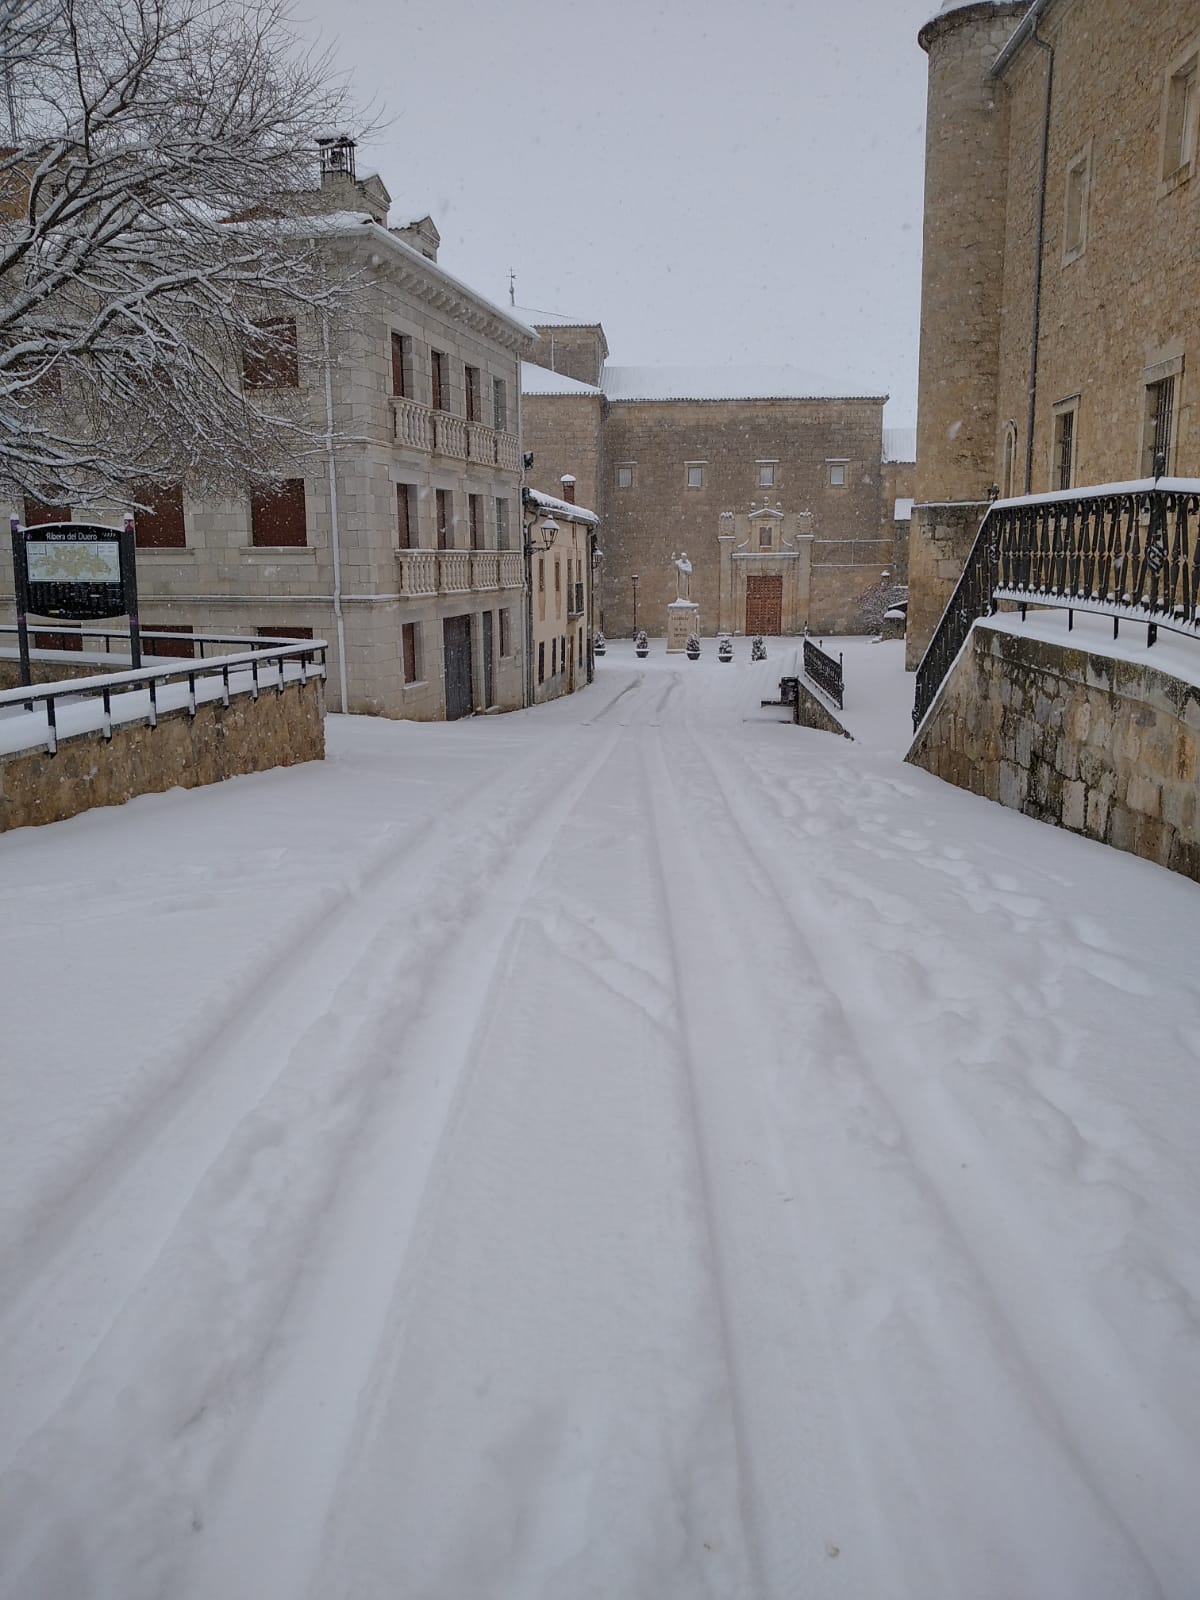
(764, 605)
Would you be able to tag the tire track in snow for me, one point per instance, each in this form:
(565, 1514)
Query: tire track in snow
(98, 1245)
(794, 1520)
(287, 1464)
(1116, 1563)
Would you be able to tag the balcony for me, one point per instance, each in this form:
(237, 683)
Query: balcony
(432, 572)
(420, 427)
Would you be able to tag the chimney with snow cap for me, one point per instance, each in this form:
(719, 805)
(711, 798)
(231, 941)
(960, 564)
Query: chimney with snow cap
(568, 488)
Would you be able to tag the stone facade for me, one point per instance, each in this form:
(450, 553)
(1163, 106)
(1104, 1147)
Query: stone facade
(560, 608)
(384, 580)
(248, 735)
(1102, 746)
(1011, 344)
(671, 473)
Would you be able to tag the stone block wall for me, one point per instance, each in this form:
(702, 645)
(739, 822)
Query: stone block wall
(563, 434)
(248, 735)
(659, 513)
(1102, 746)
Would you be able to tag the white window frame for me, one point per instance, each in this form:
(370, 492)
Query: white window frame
(630, 468)
(1069, 407)
(1077, 189)
(836, 473)
(767, 467)
(697, 467)
(1179, 139)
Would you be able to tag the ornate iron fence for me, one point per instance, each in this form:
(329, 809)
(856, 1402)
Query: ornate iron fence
(824, 671)
(1128, 550)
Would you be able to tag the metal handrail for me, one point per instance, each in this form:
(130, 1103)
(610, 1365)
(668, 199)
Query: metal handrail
(309, 654)
(824, 671)
(1130, 551)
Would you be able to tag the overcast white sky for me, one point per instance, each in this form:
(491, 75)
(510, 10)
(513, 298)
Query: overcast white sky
(714, 182)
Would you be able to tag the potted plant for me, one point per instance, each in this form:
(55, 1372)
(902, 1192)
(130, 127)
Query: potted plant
(641, 643)
(758, 649)
(693, 647)
(600, 643)
(724, 648)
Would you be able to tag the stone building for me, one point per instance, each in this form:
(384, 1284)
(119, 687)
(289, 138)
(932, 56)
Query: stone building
(400, 543)
(560, 537)
(1060, 313)
(772, 483)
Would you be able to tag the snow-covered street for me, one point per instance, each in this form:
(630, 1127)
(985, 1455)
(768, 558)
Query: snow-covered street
(633, 1149)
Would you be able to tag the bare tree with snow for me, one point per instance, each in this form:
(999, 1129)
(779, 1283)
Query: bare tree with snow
(158, 290)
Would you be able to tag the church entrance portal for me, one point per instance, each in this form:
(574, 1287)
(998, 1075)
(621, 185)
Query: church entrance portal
(764, 605)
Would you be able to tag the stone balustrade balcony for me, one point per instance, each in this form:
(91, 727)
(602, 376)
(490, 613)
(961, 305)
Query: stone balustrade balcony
(432, 572)
(420, 427)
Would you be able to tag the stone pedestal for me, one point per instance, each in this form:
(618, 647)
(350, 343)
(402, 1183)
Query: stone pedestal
(683, 618)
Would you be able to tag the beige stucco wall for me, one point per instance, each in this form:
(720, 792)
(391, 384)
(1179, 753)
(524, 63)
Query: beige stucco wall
(551, 621)
(248, 735)
(1102, 746)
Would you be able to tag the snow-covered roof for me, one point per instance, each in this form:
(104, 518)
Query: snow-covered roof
(903, 510)
(540, 380)
(899, 444)
(364, 225)
(722, 383)
(554, 319)
(550, 505)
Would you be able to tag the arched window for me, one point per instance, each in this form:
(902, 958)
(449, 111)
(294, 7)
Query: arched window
(1008, 474)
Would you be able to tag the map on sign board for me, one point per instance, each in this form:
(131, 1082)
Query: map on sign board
(82, 562)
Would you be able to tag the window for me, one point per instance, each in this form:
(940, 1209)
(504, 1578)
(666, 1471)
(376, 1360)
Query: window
(1062, 464)
(406, 517)
(402, 366)
(475, 518)
(1079, 174)
(270, 359)
(411, 642)
(837, 474)
(766, 474)
(541, 587)
(55, 641)
(502, 528)
(542, 661)
(1158, 428)
(180, 647)
(625, 475)
(278, 631)
(562, 651)
(499, 405)
(39, 512)
(557, 587)
(160, 527)
(506, 630)
(1008, 472)
(580, 636)
(695, 474)
(764, 536)
(277, 514)
(445, 519)
(439, 367)
(1181, 109)
(474, 394)
(554, 658)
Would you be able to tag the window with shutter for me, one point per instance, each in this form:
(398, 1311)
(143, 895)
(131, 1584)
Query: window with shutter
(271, 359)
(499, 405)
(160, 526)
(406, 522)
(277, 515)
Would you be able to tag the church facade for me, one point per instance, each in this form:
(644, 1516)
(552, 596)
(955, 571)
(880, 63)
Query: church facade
(775, 491)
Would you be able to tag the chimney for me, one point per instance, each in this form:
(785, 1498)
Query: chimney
(568, 488)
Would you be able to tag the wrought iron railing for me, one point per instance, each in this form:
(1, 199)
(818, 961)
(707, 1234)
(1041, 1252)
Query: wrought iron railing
(824, 671)
(1128, 550)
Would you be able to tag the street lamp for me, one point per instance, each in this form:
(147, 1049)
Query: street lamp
(634, 581)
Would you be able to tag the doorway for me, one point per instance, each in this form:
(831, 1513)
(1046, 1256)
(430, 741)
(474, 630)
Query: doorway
(456, 646)
(764, 605)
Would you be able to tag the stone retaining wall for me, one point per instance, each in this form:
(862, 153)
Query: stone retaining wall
(276, 730)
(810, 711)
(1101, 746)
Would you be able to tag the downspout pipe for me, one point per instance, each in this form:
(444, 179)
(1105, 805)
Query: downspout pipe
(1039, 245)
(334, 529)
